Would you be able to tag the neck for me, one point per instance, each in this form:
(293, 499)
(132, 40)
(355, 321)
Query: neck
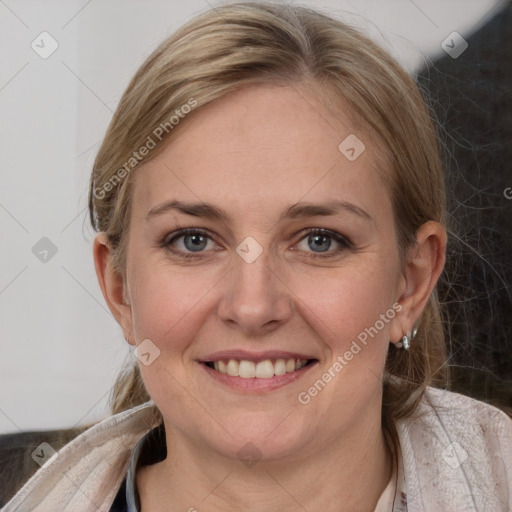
(349, 473)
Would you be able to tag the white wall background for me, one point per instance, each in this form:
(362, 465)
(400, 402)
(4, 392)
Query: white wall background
(60, 346)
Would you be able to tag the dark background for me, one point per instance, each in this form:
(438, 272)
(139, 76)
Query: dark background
(472, 100)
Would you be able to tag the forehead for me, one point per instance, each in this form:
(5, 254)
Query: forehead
(261, 146)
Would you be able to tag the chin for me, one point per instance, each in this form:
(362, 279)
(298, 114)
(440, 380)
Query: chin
(258, 436)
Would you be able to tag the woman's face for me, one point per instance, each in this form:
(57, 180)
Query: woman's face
(249, 175)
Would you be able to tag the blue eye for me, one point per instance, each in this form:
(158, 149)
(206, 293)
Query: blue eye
(321, 239)
(322, 242)
(195, 241)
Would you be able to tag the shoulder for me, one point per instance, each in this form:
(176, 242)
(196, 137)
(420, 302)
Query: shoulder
(97, 457)
(445, 415)
(457, 452)
(460, 412)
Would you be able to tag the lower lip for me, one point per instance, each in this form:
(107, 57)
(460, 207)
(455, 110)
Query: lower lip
(256, 385)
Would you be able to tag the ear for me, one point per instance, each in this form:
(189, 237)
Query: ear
(112, 286)
(424, 264)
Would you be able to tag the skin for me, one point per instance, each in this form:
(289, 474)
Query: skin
(254, 153)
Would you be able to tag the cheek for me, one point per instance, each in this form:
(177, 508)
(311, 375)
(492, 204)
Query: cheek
(351, 313)
(165, 304)
(347, 301)
(168, 310)
(171, 305)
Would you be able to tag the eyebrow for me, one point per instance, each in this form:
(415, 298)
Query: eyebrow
(296, 211)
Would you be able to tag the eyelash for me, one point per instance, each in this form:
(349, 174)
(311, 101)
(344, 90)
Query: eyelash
(344, 242)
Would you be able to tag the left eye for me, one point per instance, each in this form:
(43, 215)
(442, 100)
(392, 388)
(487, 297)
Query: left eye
(321, 239)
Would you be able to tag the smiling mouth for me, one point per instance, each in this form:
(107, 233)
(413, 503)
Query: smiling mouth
(258, 369)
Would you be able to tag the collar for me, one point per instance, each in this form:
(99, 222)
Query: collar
(152, 448)
(87, 472)
(456, 453)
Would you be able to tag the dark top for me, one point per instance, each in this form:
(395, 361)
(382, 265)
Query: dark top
(152, 448)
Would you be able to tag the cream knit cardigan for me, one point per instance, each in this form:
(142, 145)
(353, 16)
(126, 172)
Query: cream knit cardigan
(456, 457)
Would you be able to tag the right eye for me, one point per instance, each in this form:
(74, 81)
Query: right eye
(190, 239)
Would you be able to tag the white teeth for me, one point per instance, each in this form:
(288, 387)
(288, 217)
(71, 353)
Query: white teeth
(280, 367)
(232, 368)
(247, 369)
(262, 370)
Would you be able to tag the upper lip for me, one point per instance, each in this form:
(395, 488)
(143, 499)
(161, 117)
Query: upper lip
(253, 356)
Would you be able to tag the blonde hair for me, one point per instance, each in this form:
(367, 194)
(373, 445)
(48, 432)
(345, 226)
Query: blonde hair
(247, 43)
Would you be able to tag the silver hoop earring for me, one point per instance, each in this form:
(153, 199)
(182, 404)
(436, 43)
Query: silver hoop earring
(403, 344)
(406, 340)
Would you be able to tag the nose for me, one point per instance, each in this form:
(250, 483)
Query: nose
(255, 299)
